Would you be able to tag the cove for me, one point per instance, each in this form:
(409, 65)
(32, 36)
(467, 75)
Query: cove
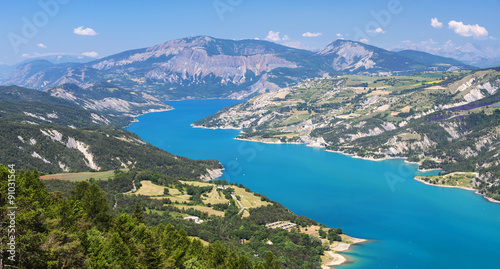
(409, 224)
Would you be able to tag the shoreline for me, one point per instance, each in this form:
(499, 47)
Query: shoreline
(491, 200)
(383, 159)
(339, 259)
(443, 186)
(147, 112)
(213, 128)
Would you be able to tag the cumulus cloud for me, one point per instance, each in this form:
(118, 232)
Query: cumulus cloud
(91, 54)
(40, 45)
(309, 34)
(436, 23)
(339, 35)
(84, 31)
(378, 31)
(363, 40)
(468, 30)
(273, 36)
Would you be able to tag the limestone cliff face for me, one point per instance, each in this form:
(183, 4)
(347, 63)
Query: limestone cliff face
(349, 55)
(177, 63)
(193, 64)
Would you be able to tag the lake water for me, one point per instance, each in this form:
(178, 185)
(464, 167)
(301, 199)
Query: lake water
(409, 224)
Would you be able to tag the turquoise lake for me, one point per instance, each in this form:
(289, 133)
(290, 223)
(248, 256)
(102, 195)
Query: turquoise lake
(409, 224)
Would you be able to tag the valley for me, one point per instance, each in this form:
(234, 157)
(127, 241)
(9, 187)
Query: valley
(349, 97)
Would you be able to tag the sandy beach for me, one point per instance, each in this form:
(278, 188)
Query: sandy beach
(338, 259)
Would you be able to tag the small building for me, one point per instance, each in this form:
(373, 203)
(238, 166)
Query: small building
(196, 220)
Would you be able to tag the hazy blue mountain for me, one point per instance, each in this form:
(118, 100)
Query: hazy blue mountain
(59, 58)
(433, 60)
(5, 70)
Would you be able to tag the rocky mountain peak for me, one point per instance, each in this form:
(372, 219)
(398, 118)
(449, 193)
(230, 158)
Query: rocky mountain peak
(342, 45)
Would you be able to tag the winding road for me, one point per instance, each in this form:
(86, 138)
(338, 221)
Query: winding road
(238, 201)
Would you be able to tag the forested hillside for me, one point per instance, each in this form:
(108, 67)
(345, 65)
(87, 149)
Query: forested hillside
(56, 135)
(30, 106)
(92, 224)
(80, 231)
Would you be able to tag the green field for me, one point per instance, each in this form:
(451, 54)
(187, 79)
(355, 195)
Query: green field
(83, 176)
(458, 179)
(182, 200)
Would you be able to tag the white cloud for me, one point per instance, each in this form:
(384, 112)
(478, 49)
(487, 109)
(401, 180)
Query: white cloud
(40, 45)
(468, 30)
(339, 35)
(378, 31)
(91, 54)
(84, 31)
(363, 40)
(273, 36)
(436, 23)
(309, 34)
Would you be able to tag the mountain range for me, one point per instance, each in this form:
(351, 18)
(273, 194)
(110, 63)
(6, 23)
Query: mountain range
(206, 67)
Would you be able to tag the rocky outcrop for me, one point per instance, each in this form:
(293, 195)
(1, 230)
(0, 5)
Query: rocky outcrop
(211, 174)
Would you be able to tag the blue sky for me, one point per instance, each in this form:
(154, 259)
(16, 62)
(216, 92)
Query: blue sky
(101, 28)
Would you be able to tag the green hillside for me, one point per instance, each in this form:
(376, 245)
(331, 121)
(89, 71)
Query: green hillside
(445, 120)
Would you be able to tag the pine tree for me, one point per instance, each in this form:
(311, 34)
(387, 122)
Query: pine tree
(117, 253)
(95, 206)
(151, 256)
(271, 262)
(138, 214)
(244, 263)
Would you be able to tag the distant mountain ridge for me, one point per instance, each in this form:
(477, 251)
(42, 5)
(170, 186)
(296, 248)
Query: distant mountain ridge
(206, 67)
